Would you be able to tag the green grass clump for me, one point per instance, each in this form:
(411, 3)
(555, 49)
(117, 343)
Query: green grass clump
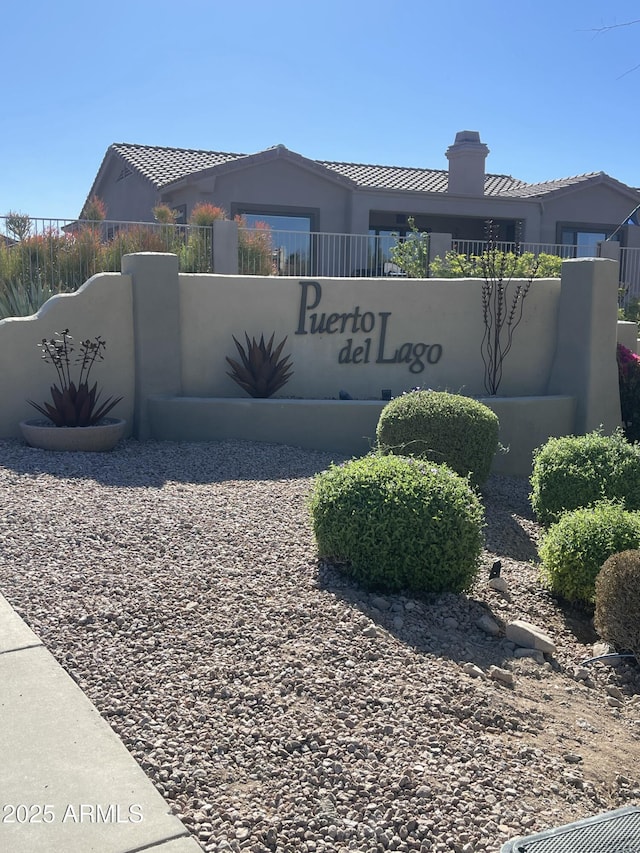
(576, 546)
(447, 428)
(399, 524)
(577, 471)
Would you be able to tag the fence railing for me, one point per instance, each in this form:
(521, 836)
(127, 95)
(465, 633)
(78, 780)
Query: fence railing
(40, 257)
(313, 253)
(62, 251)
(558, 250)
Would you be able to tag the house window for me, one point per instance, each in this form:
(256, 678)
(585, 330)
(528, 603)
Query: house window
(181, 211)
(381, 241)
(290, 239)
(585, 240)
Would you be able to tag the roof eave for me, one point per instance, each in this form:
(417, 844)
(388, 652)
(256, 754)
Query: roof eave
(591, 180)
(266, 156)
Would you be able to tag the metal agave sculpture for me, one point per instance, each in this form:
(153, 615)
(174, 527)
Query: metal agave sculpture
(262, 372)
(73, 405)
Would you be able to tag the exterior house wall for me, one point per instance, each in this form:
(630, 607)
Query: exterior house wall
(633, 236)
(273, 185)
(595, 205)
(127, 199)
(445, 205)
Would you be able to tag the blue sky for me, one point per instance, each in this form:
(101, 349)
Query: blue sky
(368, 82)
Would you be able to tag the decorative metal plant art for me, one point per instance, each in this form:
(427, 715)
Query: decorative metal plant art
(502, 305)
(74, 405)
(262, 371)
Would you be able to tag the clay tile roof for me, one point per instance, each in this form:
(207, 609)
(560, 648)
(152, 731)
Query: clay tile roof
(534, 190)
(409, 179)
(164, 165)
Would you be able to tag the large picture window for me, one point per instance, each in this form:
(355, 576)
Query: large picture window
(585, 240)
(290, 239)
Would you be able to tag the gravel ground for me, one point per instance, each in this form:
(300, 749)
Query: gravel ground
(276, 706)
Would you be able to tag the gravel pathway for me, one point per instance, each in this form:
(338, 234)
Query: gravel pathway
(273, 704)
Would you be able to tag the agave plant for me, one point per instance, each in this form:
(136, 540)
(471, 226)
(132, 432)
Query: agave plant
(74, 405)
(262, 372)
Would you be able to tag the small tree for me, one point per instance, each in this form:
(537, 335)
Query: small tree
(18, 224)
(412, 253)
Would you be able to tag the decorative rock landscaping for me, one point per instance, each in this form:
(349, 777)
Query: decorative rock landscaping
(276, 705)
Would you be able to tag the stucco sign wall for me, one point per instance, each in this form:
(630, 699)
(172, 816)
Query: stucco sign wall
(169, 335)
(360, 335)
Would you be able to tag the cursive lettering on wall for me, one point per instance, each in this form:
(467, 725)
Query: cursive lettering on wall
(313, 322)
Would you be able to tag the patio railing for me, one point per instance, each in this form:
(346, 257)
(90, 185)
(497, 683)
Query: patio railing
(40, 257)
(558, 250)
(313, 253)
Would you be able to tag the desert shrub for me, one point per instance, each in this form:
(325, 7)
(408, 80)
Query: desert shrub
(33, 270)
(455, 265)
(196, 254)
(617, 616)
(254, 248)
(576, 546)
(576, 471)
(135, 238)
(448, 428)
(165, 214)
(399, 523)
(22, 297)
(206, 214)
(94, 210)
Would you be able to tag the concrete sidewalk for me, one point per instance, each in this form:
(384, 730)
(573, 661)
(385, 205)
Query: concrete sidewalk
(67, 782)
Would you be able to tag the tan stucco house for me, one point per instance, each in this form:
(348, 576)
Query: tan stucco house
(293, 192)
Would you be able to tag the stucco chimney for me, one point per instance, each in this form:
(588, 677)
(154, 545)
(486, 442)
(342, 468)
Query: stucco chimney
(466, 163)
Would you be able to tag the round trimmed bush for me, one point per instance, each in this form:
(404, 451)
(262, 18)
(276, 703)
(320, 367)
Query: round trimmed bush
(399, 524)
(576, 546)
(577, 470)
(447, 428)
(617, 616)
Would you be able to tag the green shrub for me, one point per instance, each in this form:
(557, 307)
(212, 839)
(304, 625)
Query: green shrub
(411, 253)
(574, 548)
(399, 523)
(576, 471)
(455, 265)
(457, 431)
(617, 616)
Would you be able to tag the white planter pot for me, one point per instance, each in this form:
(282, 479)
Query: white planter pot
(99, 438)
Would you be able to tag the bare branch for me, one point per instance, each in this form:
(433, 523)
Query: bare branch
(613, 26)
(635, 68)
